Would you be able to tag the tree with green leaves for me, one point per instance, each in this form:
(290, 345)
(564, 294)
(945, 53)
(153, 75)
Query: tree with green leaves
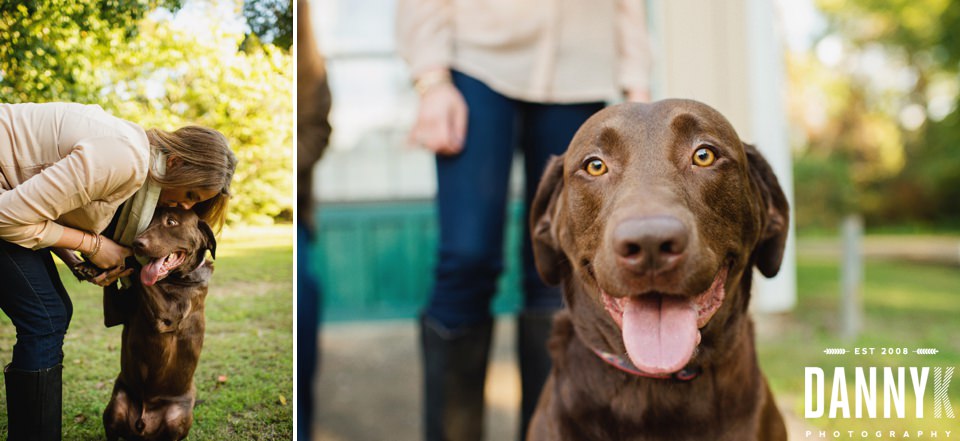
(890, 120)
(49, 47)
(271, 21)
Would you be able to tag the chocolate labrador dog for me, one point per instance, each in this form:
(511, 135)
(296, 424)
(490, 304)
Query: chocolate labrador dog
(154, 395)
(652, 221)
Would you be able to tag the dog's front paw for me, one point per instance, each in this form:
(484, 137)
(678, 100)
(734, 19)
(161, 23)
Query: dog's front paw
(85, 271)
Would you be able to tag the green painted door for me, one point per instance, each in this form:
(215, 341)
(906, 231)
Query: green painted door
(376, 260)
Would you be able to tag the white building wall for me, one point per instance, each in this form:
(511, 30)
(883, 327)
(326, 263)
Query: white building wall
(728, 54)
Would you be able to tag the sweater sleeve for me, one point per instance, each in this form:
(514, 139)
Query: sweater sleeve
(425, 33)
(633, 45)
(104, 169)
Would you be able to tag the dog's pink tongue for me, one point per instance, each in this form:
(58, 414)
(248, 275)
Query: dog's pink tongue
(660, 332)
(150, 273)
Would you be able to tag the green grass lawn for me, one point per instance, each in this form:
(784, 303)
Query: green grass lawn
(249, 341)
(907, 305)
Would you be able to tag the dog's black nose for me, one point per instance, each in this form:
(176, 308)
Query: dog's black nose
(139, 245)
(654, 243)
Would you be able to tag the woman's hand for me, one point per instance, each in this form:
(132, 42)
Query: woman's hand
(110, 257)
(110, 277)
(110, 254)
(638, 95)
(441, 120)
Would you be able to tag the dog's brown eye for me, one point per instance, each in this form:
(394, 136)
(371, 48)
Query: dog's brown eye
(704, 157)
(596, 167)
(171, 222)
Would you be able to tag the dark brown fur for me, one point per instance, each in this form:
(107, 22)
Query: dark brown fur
(735, 216)
(154, 395)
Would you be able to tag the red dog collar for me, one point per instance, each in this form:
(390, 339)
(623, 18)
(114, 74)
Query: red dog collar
(686, 374)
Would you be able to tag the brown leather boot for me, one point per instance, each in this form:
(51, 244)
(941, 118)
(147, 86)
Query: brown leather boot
(455, 369)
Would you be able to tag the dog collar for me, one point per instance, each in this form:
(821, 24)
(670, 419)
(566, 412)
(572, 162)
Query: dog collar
(686, 374)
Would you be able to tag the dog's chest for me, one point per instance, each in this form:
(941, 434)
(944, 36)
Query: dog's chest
(603, 424)
(602, 403)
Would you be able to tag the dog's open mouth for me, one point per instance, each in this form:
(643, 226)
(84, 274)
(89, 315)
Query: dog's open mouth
(160, 267)
(662, 331)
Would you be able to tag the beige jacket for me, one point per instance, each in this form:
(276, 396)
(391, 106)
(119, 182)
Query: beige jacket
(64, 164)
(533, 50)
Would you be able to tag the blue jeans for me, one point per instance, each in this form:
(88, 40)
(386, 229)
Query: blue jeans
(308, 320)
(472, 195)
(34, 298)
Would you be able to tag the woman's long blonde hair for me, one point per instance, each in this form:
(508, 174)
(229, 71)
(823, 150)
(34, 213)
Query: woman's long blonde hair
(199, 158)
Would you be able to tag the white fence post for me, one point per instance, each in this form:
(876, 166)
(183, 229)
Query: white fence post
(851, 278)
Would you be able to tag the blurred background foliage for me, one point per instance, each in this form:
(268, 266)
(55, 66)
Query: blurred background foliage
(875, 106)
(225, 64)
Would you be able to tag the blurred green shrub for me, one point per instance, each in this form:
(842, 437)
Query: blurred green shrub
(874, 109)
(824, 191)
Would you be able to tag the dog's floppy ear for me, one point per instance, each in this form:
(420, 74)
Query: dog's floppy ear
(776, 213)
(209, 240)
(551, 262)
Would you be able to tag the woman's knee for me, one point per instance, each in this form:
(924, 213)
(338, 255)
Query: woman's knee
(40, 338)
(473, 261)
(40, 333)
(37, 304)
(34, 352)
(464, 288)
